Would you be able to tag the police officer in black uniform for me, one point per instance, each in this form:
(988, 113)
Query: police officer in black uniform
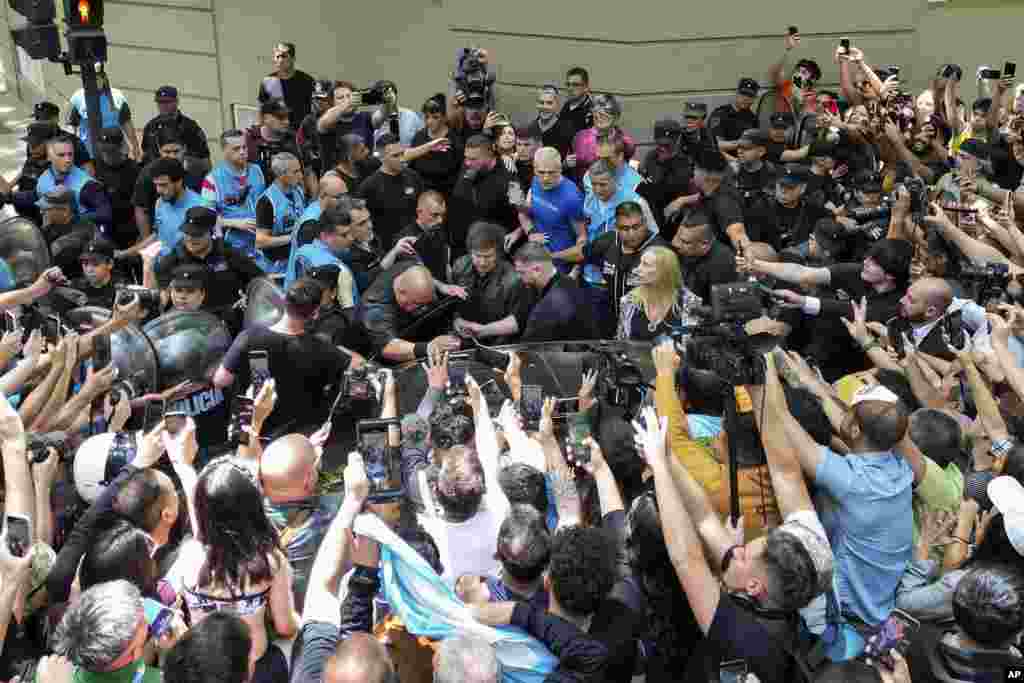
(728, 122)
(66, 234)
(666, 171)
(696, 134)
(118, 175)
(197, 151)
(230, 270)
(99, 281)
(307, 137)
(788, 221)
(755, 177)
(332, 323)
(189, 289)
(23, 187)
(778, 130)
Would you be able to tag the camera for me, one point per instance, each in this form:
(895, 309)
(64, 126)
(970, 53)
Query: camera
(953, 71)
(39, 446)
(918, 196)
(148, 299)
(986, 281)
(471, 77)
(988, 74)
(374, 95)
(721, 344)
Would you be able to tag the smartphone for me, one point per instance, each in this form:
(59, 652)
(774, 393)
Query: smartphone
(515, 193)
(531, 404)
(174, 417)
(101, 352)
(579, 432)
(952, 71)
(19, 534)
(159, 617)
(1009, 69)
(259, 369)
(241, 417)
(564, 407)
(733, 671)
(382, 461)
(10, 321)
(988, 74)
(793, 30)
(896, 632)
(845, 44)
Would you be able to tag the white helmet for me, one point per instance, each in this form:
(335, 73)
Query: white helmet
(99, 460)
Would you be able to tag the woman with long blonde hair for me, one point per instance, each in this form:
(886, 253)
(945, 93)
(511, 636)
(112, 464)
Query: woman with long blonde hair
(659, 302)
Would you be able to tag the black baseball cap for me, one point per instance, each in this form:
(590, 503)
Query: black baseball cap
(45, 110)
(794, 174)
(166, 92)
(326, 274)
(781, 119)
(275, 107)
(666, 131)
(190, 276)
(753, 137)
(40, 132)
(695, 110)
(199, 221)
(748, 87)
(112, 135)
(99, 248)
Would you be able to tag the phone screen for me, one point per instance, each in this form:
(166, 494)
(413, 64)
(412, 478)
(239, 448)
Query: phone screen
(382, 471)
(566, 406)
(241, 417)
(158, 617)
(734, 671)
(579, 432)
(19, 534)
(896, 632)
(259, 368)
(531, 405)
(1009, 69)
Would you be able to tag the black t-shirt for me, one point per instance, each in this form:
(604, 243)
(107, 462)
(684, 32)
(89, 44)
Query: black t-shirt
(361, 123)
(784, 227)
(723, 208)
(119, 183)
(664, 181)
(728, 123)
(297, 91)
(559, 136)
(439, 170)
(431, 249)
(606, 253)
(484, 198)
(579, 116)
(391, 200)
(716, 267)
(303, 366)
(736, 633)
(775, 150)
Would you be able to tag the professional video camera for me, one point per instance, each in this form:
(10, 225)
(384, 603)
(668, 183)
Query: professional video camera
(721, 344)
(985, 282)
(374, 95)
(471, 76)
(149, 299)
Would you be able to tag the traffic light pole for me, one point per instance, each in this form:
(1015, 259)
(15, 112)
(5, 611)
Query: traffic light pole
(90, 84)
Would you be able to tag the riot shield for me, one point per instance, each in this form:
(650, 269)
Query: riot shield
(189, 345)
(264, 303)
(23, 248)
(131, 351)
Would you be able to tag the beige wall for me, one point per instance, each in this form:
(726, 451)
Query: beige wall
(653, 54)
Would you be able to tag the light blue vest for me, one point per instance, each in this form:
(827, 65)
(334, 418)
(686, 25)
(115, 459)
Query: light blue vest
(110, 113)
(229, 189)
(168, 217)
(315, 254)
(312, 213)
(287, 208)
(75, 180)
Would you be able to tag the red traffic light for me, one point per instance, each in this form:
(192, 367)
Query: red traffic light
(84, 13)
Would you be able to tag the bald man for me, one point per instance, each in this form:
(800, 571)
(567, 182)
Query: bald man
(360, 658)
(929, 301)
(390, 313)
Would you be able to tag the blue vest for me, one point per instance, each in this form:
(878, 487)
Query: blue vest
(312, 213)
(229, 202)
(110, 113)
(75, 180)
(316, 254)
(287, 208)
(168, 217)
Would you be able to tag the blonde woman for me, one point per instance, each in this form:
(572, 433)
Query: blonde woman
(659, 302)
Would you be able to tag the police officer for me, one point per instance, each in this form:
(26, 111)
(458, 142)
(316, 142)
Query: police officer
(787, 221)
(308, 137)
(821, 185)
(696, 135)
(332, 323)
(666, 169)
(197, 151)
(755, 177)
(88, 200)
(332, 246)
(189, 286)
(36, 164)
(230, 270)
(59, 222)
(118, 175)
(728, 122)
(99, 281)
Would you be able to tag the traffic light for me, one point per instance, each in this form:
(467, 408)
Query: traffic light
(87, 43)
(39, 36)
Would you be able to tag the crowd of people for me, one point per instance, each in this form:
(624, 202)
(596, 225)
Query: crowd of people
(812, 475)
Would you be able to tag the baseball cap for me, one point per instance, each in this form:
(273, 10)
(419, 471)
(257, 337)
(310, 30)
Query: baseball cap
(99, 460)
(39, 132)
(199, 221)
(666, 131)
(326, 274)
(112, 135)
(753, 137)
(58, 197)
(874, 392)
(748, 87)
(781, 119)
(794, 174)
(275, 107)
(190, 276)
(166, 92)
(45, 110)
(99, 248)
(322, 89)
(695, 110)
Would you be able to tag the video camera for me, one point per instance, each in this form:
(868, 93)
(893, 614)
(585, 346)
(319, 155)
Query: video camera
(148, 299)
(721, 344)
(39, 445)
(374, 95)
(471, 77)
(986, 282)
